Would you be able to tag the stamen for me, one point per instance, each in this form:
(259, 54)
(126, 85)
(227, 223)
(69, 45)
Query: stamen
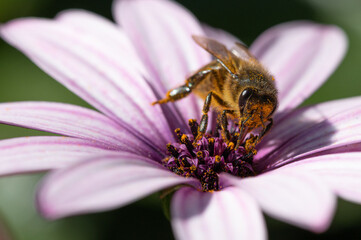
(211, 146)
(200, 157)
(235, 137)
(207, 157)
(172, 150)
(185, 141)
(178, 133)
(184, 162)
(194, 127)
(166, 160)
(209, 181)
(229, 148)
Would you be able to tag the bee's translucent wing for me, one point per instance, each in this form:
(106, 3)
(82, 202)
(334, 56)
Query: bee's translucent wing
(219, 51)
(240, 50)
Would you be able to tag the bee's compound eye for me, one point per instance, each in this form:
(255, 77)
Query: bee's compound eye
(245, 95)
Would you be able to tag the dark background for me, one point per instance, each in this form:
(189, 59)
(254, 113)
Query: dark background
(22, 80)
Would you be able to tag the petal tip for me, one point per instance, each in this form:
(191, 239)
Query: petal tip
(341, 36)
(69, 12)
(44, 208)
(11, 27)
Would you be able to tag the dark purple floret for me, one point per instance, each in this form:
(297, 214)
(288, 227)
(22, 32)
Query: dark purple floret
(206, 158)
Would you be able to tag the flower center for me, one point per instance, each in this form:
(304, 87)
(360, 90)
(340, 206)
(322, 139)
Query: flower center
(206, 158)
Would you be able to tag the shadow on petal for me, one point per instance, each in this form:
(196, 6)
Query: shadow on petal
(292, 138)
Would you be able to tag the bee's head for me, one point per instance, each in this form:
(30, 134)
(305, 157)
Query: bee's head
(255, 108)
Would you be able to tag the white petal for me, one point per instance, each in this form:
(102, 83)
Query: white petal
(162, 33)
(312, 130)
(227, 214)
(297, 198)
(69, 120)
(301, 55)
(102, 183)
(34, 154)
(93, 70)
(341, 171)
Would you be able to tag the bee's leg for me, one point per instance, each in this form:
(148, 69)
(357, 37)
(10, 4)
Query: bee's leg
(265, 130)
(252, 141)
(242, 131)
(184, 90)
(175, 94)
(224, 124)
(204, 120)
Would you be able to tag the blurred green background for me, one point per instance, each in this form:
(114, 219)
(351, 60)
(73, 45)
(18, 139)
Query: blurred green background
(22, 80)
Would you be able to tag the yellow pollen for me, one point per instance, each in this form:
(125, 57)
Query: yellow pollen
(217, 159)
(231, 145)
(251, 144)
(165, 160)
(184, 138)
(192, 121)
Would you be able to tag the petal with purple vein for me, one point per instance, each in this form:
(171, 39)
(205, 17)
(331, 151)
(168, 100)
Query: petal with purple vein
(341, 171)
(301, 55)
(114, 41)
(336, 133)
(161, 32)
(34, 154)
(102, 79)
(227, 214)
(297, 198)
(290, 125)
(72, 121)
(102, 183)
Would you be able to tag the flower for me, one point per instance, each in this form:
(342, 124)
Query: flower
(115, 156)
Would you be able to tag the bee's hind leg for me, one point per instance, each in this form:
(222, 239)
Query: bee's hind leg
(175, 94)
(184, 90)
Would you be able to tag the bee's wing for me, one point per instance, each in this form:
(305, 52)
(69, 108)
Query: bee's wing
(219, 51)
(240, 50)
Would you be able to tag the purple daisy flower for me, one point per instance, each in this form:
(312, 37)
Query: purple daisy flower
(122, 153)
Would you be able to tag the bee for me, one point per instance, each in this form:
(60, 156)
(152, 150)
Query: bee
(236, 86)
